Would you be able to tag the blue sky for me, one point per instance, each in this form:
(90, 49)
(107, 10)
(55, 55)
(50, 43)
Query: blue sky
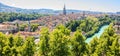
(92, 5)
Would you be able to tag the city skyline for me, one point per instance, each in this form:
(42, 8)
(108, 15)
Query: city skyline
(93, 5)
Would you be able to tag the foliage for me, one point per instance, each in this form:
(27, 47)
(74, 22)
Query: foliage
(29, 47)
(34, 27)
(104, 45)
(78, 45)
(61, 42)
(20, 16)
(89, 25)
(44, 42)
(22, 27)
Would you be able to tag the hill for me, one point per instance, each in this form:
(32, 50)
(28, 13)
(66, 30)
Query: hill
(7, 8)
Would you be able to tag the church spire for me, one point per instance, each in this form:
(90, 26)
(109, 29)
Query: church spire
(64, 10)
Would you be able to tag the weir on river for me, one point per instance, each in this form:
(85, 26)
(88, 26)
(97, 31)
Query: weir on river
(97, 34)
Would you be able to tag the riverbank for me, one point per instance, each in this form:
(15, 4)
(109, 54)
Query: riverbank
(91, 33)
(100, 32)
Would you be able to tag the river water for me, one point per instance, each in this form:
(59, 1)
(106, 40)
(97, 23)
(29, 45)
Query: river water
(97, 34)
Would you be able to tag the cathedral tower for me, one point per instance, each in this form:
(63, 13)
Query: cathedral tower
(64, 10)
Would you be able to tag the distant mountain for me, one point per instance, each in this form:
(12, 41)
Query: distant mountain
(6, 8)
(118, 12)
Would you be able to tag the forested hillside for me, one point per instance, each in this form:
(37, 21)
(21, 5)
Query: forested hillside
(4, 16)
(89, 25)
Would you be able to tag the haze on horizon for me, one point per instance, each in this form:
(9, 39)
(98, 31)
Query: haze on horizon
(91, 5)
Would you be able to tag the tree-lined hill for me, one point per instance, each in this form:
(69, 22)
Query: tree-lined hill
(7, 8)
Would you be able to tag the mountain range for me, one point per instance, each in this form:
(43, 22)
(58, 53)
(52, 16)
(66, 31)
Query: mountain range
(7, 8)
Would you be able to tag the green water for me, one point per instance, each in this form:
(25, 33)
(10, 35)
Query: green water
(97, 34)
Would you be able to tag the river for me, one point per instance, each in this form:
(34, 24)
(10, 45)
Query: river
(97, 34)
(90, 38)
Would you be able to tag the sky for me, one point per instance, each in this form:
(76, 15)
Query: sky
(91, 5)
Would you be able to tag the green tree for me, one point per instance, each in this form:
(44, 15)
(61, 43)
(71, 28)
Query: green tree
(78, 45)
(105, 41)
(3, 43)
(93, 45)
(115, 47)
(6, 51)
(59, 41)
(44, 42)
(34, 27)
(28, 48)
